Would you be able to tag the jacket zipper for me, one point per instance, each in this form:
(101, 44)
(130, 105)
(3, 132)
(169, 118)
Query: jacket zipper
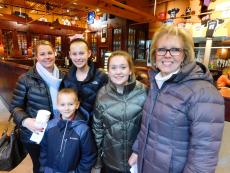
(63, 151)
(125, 129)
(153, 103)
(63, 137)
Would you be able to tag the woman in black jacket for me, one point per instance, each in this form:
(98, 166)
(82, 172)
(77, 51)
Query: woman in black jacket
(37, 89)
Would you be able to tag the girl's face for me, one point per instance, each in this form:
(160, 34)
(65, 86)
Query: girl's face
(46, 57)
(79, 54)
(174, 56)
(67, 104)
(119, 70)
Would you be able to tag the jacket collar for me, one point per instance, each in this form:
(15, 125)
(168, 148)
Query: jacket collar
(191, 71)
(71, 123)
(127, 88)
(90, 75)
(33, 73)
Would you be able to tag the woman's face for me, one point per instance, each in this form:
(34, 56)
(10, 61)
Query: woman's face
(119, 70)
(169, 61)
(79, 54)
(46, 57)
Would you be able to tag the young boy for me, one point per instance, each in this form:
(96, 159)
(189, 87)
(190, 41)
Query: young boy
(68, 145)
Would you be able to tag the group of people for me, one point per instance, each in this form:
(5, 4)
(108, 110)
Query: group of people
(110, 122)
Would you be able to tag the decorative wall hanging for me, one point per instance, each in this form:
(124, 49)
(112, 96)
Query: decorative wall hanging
(161, 16)
(90, 18)
(187, 13)
(212, 25)
(172, 13)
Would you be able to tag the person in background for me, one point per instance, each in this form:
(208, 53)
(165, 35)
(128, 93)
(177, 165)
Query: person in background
(224, 79)
(74, 149)
(37, 89)
(183, 117)
(117, 114)
(83, 76)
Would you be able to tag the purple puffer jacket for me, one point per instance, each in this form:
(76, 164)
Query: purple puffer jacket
(182, 124)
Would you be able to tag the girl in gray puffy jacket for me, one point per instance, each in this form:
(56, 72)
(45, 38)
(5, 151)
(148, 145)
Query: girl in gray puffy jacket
(117, 114)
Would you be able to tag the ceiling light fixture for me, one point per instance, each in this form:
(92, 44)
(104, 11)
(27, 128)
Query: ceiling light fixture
(87, 30)
(33, 11)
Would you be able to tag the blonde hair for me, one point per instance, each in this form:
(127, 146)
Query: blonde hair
(43, 42)
(69, 91)
(124, 54)
(174, 31)
(80, 40)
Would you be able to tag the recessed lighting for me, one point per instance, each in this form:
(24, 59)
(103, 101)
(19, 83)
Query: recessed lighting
(76, 18)
(97, 10)
(33, 11)
(87, 30)
(1, 6)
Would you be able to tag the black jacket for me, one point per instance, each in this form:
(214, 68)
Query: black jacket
(87, 89)
(31, 94)
(74, 149)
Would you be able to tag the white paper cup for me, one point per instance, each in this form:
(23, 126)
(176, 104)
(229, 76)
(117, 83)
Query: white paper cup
(42, 117)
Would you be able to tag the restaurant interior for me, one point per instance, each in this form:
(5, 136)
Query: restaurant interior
(110, 25)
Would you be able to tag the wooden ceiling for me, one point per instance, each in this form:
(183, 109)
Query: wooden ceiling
(136, 10)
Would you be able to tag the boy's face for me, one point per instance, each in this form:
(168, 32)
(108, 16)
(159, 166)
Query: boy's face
(67, 104)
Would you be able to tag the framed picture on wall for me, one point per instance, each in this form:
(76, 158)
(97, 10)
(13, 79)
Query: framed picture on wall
(103, 34)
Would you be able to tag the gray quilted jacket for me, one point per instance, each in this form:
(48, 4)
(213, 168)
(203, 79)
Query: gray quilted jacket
(182, 124)
(116, 123)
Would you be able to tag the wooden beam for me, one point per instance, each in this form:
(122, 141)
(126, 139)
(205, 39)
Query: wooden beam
(110, 9)
(129, 8)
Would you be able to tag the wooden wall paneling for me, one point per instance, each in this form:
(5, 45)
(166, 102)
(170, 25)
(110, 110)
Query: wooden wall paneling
(29, 39)
(1, 37)
(125, 35)
(110, 38)
(15, 44)
(65, 45)
(52, 39)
